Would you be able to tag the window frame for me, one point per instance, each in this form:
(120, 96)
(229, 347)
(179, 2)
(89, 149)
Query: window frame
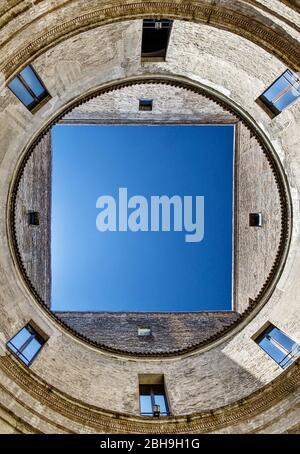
(289, 358)
(152, 397)
(267, 105)
(35, 335)
(38, 101)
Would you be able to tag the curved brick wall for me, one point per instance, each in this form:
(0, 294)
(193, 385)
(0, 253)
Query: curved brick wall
(255, 250)
(89, 387)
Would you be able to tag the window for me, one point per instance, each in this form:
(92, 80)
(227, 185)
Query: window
(255, 219)
(145, 104)
(278, 345)
(155, 39)
(283, 92)
(153, 400)
(33, 218)
(28, 88)
(26, 344)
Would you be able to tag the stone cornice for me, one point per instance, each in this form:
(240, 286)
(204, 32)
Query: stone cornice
(294, 4)
(16, 422)
(257, 29)
(110, 422)
(21, 424)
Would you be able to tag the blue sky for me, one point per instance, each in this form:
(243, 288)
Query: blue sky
(140, 271)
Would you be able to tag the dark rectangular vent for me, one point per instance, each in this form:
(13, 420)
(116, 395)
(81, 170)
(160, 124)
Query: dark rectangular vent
(33, 218)
(155, 39)
(145, 105)
(255, 219)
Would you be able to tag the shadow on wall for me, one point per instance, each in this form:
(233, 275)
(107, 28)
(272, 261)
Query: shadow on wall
(208, 382)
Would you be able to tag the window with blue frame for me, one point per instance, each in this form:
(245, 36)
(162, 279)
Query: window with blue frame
(282, 93)
(153, 400)
(278, 346)
(26, 344)
(28, 88)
